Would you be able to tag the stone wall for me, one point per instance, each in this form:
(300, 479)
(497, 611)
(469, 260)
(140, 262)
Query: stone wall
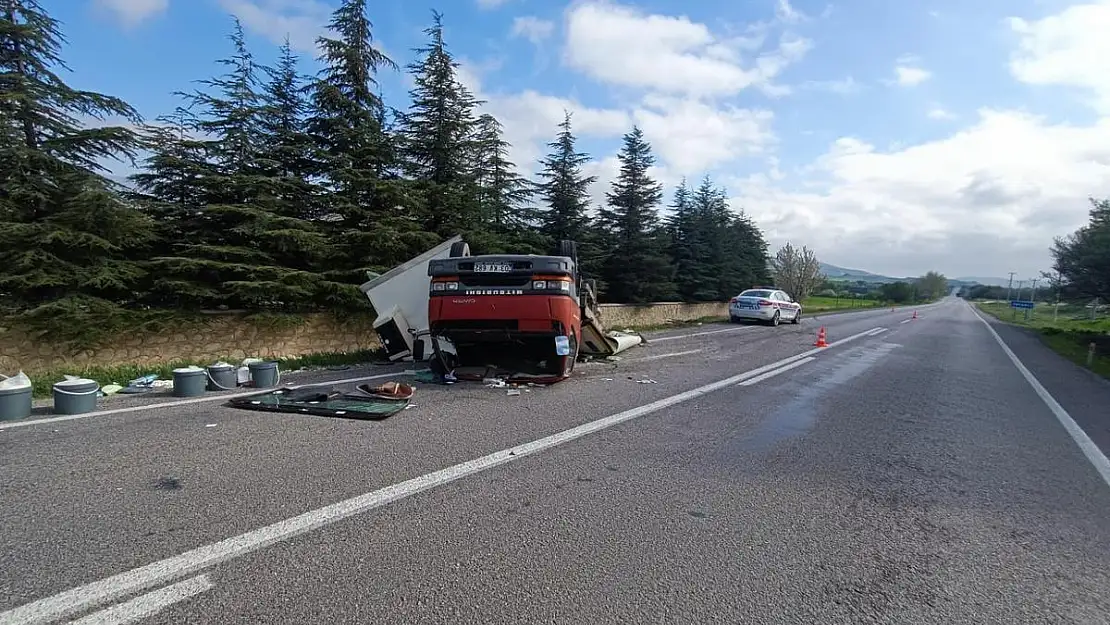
(621, 316)
(235, 337)
(228, 336)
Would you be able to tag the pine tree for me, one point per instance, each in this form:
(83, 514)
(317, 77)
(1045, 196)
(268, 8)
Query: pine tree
(285, 154)
(688, 245)
(717, 253)
(504, 196)
(637, 269)
(240, 247)
(565, 190)
(438, 138)
(69, 242)
(369, 205)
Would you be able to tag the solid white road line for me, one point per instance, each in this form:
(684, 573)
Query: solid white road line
(668, 355)
(181, 402)
(770, 374)
(149, 604)
(692, 335)
(1089, 448)
(136, 580)
(876, 331)
(906, 321)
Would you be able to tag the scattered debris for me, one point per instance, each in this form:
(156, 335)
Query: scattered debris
(646, 381)
(495, 382)
(389, 390)
(513, 392)
(210, 425)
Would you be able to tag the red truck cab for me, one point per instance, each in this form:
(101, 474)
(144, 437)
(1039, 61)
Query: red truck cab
(518, 314)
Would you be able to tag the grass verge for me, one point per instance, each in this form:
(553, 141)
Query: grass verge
(43, 382)
(1068, 334)
(833, 304)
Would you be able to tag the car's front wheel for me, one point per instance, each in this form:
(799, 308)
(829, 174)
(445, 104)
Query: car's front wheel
(797, 317)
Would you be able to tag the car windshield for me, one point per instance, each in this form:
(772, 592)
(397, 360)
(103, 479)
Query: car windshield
(755, 293)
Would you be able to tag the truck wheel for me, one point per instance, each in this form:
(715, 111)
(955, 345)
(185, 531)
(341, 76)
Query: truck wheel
(459, 249)
(568, 249)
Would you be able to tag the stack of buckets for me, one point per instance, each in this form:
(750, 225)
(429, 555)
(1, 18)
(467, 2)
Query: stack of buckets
(76, 395)
(193, 381)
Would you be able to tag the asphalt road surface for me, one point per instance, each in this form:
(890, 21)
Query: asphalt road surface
(912, 472)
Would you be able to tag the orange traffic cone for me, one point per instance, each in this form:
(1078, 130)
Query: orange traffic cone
(914, 315)
(821, 338)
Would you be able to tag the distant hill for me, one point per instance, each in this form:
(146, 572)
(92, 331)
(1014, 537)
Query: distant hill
(832, 272)
(984, 281)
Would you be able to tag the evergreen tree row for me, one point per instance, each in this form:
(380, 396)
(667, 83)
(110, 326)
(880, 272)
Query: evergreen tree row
(271, 190)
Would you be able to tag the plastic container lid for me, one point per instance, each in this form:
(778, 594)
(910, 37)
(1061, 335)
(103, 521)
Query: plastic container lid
(17, 382)
(221, 365)
(71, 381)
(189, 369)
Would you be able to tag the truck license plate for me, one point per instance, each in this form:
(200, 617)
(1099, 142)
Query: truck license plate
(493, 267)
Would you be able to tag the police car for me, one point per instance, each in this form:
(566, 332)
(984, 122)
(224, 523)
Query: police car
(766, 304)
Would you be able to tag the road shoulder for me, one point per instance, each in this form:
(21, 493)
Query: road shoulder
(1082, 393)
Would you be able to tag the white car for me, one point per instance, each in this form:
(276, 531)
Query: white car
(767, 305)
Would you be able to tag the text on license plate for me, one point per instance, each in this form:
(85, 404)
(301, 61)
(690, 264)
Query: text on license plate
(493, 267)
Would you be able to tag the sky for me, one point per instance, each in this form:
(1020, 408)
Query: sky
(896, 137)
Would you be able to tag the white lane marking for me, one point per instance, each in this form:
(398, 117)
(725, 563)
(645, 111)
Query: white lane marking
(708, 332)
(876, 331)
(668, 355)
(1089, 448)
(770, 374)
(906, 321)
(181, 402)
(149, 604)
(142, 578)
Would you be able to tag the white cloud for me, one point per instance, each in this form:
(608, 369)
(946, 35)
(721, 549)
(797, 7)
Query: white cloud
(908, 73)
(989, 197)
(530, 118)
(133, 12)
(623, 46)
(532, 28)
(492, 4)
(787, 13)
(844, 86)
(940, 113)
(1068, 49)
(301, 20)
(691, 137)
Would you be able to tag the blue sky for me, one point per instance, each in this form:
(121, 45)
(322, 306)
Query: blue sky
(795, 107)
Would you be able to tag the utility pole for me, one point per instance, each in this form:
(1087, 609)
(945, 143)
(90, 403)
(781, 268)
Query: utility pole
(1032, 298)
(1011, 287)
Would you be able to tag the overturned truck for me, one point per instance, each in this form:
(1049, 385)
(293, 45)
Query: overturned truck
(521, 317)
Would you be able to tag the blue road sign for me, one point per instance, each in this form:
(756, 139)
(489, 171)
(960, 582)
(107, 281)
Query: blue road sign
(1017, 304)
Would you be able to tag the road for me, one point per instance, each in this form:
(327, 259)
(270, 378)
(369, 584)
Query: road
(908, 473)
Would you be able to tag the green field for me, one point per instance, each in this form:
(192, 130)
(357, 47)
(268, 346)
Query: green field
(1069, 332)
(828, 304)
